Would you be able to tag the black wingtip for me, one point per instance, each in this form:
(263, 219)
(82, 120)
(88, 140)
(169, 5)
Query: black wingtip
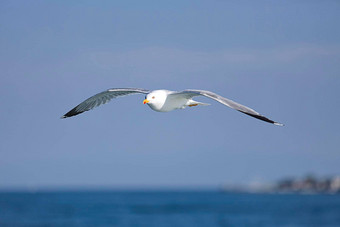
(72, 113)
(263, 118)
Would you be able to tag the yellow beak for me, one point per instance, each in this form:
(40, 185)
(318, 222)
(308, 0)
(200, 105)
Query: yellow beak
(145, 101)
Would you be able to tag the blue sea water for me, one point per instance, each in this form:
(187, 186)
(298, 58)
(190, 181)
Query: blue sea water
(161, 208)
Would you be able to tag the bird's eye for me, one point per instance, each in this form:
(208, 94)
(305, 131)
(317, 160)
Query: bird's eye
(153, 97)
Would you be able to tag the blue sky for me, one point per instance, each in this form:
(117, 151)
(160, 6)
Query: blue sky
(279, 58)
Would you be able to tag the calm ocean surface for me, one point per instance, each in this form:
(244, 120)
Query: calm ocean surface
(167, 209)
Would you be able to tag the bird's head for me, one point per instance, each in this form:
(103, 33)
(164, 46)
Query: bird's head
(155, 99)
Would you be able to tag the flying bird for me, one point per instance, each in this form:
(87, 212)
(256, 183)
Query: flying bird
(163, 101)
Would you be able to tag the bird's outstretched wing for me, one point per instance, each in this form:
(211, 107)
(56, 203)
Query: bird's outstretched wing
(246, 110)
(102, 98)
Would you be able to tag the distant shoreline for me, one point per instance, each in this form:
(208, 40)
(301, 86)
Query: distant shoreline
(306, 185)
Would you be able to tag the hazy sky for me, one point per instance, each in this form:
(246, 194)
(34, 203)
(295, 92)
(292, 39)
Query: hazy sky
(281, 58)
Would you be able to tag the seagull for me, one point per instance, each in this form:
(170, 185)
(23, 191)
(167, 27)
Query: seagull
(163, 101)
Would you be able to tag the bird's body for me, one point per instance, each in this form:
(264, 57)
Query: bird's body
(168, 101)
(163, 101)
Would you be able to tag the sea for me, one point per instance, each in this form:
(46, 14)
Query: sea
(167, 208)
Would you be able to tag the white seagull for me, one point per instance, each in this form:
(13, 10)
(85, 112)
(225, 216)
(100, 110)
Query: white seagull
(163, 101)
